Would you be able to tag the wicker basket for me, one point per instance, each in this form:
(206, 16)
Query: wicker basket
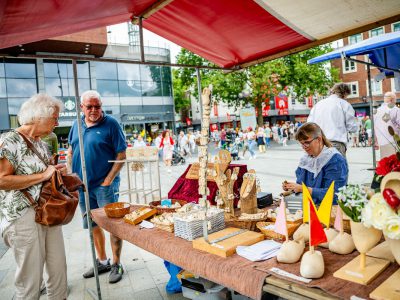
(270, 234)
(298, 221)
(169, 228)
(161, 210)
(243, 224)
(190, 230)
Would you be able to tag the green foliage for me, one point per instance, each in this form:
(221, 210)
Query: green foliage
(181, 97)
(264, 81)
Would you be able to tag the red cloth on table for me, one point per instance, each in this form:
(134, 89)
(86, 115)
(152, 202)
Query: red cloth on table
(188, 189)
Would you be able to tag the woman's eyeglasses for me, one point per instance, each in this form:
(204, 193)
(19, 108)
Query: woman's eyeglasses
(307, 144)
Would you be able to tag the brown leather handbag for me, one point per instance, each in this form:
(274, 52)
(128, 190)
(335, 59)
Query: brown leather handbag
(58, 198)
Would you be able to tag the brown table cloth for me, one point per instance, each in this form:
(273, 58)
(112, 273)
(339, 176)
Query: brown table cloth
(234, 272)
(334, 286)
(188, 189)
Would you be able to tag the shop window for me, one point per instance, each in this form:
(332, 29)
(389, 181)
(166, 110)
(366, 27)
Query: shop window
(21, 87)
(396, 26)
(129, 88)
(2, 73)
(14, 104)
(128, 72)
(376, 87)
(166, 89)
(20, 68)
(3, 91)
(349, 66)
(107, 88)
(106, 70)
(376, 31)
(353, 89)
(355, 38)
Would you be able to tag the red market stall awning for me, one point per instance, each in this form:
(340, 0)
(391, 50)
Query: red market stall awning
(228, 33)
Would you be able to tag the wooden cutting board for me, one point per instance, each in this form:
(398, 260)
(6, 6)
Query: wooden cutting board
(227, 247)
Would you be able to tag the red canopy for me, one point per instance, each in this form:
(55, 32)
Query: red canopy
(227, 32)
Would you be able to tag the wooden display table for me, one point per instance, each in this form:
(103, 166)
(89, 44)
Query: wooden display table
(246, 277)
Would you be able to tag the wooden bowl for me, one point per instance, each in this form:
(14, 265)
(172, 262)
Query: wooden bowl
(161, 210)
(117, 209)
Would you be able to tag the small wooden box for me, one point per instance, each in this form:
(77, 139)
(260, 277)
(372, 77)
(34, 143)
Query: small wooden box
(227, 247)
(144, 213)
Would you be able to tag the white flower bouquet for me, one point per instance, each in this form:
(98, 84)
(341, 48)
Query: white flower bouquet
(381, 214)
(352, 199)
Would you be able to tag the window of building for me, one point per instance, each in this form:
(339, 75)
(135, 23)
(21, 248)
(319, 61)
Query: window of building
(107, 88)
(59, 77)
(20, 68)
(355, 38)
(349, 66)
(106, 70)
(376, 87)
(396, 26)
(376, 31)
(354, 89)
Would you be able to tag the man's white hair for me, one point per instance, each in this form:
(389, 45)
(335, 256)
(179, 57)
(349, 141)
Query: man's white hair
(91, 94)
(38, 106)
(392, 95)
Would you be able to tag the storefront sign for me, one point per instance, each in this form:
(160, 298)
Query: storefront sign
(248, 117)
(310, 102)
(213, 127)
(215, 106)
(282, 104)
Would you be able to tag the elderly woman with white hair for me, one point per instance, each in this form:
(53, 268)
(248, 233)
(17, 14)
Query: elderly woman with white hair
(34, 246)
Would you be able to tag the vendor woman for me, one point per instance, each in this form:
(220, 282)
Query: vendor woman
(321, 164)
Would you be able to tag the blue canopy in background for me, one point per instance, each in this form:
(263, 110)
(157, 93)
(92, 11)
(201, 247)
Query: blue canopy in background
(383, 51)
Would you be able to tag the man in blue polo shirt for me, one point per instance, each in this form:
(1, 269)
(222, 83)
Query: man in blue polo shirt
(103, 140)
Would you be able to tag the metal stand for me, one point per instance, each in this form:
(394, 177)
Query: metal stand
(86, 193)
(145, 185)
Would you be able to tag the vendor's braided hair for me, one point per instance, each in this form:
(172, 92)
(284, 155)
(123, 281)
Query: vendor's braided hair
(311, 130)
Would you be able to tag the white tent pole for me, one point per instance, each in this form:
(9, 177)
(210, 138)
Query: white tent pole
(84, 177)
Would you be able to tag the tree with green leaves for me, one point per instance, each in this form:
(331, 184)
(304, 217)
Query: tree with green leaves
(262, 82)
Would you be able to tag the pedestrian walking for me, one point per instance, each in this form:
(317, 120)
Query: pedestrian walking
(167, 144)
(335, 116)
(261, 140)
(251, 138)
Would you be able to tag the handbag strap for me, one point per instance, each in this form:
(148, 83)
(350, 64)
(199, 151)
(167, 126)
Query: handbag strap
(34, 150)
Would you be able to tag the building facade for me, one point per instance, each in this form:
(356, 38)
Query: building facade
(355, 74)
(138, 96)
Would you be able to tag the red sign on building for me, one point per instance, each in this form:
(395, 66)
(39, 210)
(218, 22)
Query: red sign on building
(282, 104)
(215, 109)
(213, 127)
(310, 101)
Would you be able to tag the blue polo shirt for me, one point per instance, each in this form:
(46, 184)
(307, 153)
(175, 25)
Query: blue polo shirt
(101, 143)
